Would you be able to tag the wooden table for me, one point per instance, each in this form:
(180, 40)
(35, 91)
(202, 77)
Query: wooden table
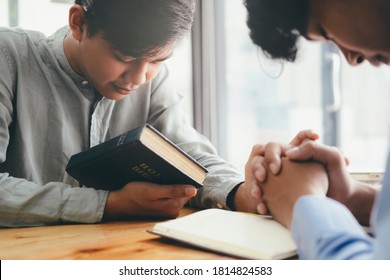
(108, 241)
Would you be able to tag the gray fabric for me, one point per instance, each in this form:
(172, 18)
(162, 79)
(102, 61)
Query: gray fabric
(48, 113)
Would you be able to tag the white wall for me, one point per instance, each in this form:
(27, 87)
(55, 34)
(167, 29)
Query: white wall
(43, 15)
(3, 12)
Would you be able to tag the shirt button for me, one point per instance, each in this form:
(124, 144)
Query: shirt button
(219, 205)
(85, 83)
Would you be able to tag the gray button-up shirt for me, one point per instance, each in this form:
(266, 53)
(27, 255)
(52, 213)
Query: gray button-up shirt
(48, 113)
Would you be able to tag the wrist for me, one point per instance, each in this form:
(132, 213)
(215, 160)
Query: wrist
(243, 201)
(230, 200)
(111, 209)
(361, 201)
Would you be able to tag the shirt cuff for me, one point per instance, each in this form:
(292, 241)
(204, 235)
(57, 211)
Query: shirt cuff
(84, 205)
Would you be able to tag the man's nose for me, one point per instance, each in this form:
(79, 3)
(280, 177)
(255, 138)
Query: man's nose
(136, 73)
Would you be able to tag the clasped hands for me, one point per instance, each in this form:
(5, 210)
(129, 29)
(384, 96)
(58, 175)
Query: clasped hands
(277, 175)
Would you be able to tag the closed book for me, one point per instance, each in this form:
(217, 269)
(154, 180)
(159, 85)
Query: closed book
(238, 234)
(142, 154)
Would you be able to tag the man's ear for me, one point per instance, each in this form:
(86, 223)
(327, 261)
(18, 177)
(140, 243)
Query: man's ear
(77, 21)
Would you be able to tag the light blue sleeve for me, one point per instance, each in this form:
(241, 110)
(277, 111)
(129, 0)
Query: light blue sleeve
(381, 224)
(325, 229)
(381, 219)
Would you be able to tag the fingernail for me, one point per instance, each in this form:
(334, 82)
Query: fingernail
(273, 168)
(259, 175)
(255, 192)
(190, 191)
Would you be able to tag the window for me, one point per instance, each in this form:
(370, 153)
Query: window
(261, 106)
(42, 15)
(348, 106)
(180, 65)
(231, 93)
(4, 18)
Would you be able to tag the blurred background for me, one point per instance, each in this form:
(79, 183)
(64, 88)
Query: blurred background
(237, 98)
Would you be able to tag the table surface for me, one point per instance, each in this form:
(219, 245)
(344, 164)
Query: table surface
(106, 241)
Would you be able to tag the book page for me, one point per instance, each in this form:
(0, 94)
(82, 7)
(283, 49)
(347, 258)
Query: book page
(234, 233)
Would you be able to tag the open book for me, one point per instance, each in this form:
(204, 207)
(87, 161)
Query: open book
(238, 234)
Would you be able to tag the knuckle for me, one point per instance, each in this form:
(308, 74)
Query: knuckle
(302, 133)
(256, 149)
(254, 162)
(178, 191)
(338, 154)
(308, 132)
(310, 144)
(272, 144)
(257, 146)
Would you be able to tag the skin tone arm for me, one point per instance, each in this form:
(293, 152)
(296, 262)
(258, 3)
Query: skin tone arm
(358, 197)
(248, 195)
(147, 199)
(280, 192)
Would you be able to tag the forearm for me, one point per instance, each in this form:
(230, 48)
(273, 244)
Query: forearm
(24, 203)
(361, 201)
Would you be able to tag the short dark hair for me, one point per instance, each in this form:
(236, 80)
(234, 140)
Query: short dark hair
(276, 25)
(138, 28)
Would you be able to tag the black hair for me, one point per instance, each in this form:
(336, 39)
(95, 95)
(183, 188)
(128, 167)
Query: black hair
(276, 25)
(138, 28)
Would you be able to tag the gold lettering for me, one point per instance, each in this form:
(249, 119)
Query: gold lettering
(146, 171)
(121, 139)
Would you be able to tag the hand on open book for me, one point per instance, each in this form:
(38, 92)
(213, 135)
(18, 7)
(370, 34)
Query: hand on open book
(281, 191)
(148, 199)
(270, 155)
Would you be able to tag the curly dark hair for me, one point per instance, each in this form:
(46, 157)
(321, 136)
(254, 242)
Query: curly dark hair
(138, 28)
(276, 25)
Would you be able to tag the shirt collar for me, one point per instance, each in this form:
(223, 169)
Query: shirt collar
(57, 42)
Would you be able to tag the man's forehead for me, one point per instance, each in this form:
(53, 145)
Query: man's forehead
(153, 53)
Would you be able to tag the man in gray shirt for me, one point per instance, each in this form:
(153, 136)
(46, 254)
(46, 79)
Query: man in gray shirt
(97, 78)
